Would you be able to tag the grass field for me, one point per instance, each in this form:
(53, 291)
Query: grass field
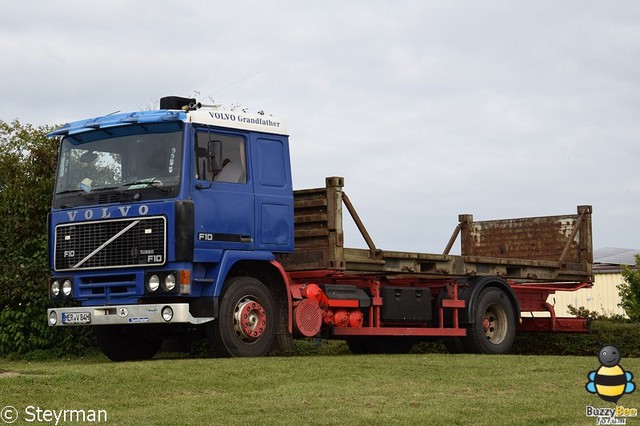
(414, 389)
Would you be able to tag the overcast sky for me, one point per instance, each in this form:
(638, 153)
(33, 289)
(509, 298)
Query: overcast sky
(428, 109)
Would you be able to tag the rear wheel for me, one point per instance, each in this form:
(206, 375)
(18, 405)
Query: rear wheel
(245, 326)
(493, 330)
(126, 343)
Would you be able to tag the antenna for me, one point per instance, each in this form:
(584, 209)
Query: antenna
(236, 82)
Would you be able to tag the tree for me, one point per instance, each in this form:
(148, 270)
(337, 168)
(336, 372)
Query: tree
(629, 290)
(27, 173)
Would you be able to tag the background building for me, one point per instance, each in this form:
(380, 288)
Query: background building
(603, 297)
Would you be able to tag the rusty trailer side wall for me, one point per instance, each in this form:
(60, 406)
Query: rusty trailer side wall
(564, 241)
(539, 249)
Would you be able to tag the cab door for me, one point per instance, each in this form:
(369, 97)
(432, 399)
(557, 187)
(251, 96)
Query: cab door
(223, 194)
(274, 193)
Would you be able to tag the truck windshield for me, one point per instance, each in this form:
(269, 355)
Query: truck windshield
(119, 164)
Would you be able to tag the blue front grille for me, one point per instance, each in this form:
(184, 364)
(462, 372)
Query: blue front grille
(110, 243)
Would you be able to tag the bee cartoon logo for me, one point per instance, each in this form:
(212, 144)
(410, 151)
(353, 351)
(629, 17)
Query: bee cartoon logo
(610, 381)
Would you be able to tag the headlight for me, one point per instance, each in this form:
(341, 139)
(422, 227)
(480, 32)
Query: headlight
(55, 288)
(167, 313)
(53, 317)
(153, 283)
(66, 288)
(170, 282)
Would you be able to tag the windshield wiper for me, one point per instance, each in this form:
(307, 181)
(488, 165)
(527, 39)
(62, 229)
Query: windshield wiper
(146, 182)
(83, 192)
(72, 191)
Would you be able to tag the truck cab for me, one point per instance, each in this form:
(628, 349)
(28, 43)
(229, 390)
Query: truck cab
(154, 210)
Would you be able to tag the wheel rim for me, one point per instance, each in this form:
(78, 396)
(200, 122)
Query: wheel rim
(249, 319)
(495, 324)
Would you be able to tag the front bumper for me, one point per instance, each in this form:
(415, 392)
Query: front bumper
(123, 314)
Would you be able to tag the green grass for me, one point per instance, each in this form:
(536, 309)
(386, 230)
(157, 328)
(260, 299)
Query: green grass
(414, 389)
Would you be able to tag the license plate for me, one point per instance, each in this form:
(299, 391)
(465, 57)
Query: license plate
(76, 318)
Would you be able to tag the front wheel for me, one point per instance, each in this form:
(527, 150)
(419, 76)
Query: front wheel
(494, 327)
(246, 325)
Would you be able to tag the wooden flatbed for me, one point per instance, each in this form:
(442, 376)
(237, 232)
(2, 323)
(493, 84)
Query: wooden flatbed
(537, 249)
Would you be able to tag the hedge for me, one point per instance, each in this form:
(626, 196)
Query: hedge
(624, 335)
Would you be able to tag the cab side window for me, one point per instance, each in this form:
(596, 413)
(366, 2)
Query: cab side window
(220, 158)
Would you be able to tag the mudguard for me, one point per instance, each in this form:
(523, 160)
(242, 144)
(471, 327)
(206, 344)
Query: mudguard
(476, 285)
(228, 259)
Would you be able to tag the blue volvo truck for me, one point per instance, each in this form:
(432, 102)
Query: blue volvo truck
(184, 218)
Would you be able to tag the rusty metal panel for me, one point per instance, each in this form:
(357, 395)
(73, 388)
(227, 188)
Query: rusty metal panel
(540, 238)
(565, 239)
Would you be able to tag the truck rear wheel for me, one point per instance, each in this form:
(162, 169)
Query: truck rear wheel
(493, 330)
(246, 325)
(126, 343)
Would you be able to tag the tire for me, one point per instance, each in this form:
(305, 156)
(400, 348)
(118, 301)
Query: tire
(494, 328)
(126, 343)
(246, 323)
